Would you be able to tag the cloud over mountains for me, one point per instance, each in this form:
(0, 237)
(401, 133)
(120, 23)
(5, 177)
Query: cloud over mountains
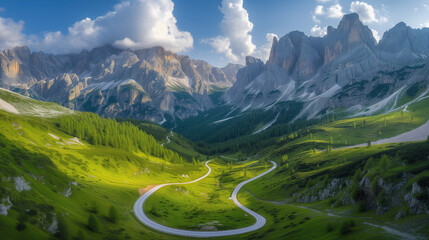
(131, 24)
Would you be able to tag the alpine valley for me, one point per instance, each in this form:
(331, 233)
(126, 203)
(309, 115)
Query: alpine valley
(328, 139)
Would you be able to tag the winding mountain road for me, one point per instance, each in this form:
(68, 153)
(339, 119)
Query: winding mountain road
(260, 220)
(418, 134)
(168, 139)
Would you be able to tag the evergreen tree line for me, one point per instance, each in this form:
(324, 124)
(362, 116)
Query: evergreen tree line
(108, 132)
(254, 143)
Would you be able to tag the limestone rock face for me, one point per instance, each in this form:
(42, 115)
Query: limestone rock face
(296, 54)
(350, 34)
(344, 69)
(143, 84)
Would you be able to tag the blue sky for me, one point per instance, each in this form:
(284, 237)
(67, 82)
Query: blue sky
(218, 31)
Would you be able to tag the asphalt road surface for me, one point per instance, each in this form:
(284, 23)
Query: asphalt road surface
(260, 220)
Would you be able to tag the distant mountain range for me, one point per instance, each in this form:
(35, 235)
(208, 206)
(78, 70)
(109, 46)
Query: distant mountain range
(346, 69)
(112, 82)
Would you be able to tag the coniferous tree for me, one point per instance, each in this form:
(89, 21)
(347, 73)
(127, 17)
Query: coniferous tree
(114, 214)
(63, 228)
(94, 224)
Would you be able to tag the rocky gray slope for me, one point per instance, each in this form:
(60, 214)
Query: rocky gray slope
(141, 84)
(345, 69)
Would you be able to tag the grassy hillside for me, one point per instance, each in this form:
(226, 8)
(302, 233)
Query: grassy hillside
(63, 172)
(49, 176)
(375, 185)
(207, 202)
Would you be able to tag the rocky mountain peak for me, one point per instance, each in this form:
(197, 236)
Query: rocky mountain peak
(349, 21)
(295, 53)
(103, 52)
(330, 30)
(408, 42)
(275, 40)
(252, 61)
(396, 39)
(117, 82)
(314, 69)
(22, 53)
(156, 52)
(350, 34)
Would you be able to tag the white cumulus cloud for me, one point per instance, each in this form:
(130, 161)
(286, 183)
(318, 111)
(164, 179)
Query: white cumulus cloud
(236, 42)
(318, 31)
(132, 24)
(222, 45)
(366, 12)
(335, 11)
(11, 33)
(319, 10)
(376, 35)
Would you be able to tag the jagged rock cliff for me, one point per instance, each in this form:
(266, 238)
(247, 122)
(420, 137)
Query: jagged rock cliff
(346, 68)
(141, 84)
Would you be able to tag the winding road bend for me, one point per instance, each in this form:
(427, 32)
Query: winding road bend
(260, 220)
(168, 139)
(418, 134)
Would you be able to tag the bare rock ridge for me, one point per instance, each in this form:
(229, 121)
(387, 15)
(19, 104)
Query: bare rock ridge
(345, 68)
(141, 84)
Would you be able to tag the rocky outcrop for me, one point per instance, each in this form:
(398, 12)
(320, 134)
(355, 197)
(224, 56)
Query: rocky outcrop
(345, 69)
(142, 84)
(21, 184)
(296, 54)
(416, 206)
(337, 189)
(5, 205)
(350, 35)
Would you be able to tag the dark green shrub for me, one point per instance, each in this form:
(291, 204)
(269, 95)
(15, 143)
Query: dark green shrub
(93, 223)
(330, 227)
(154, 212)
(63, 228)
(384, 162)
(81, 235)
(20, 226)
(423, 181)
(369, 164)
(32, 212)
(362, 206)
(381, 199)
(356, 192)
(94, 207)
(114, 214)
(374, 186)
(347, 226)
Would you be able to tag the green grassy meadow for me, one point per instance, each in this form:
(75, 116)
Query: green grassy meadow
(67, 180)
